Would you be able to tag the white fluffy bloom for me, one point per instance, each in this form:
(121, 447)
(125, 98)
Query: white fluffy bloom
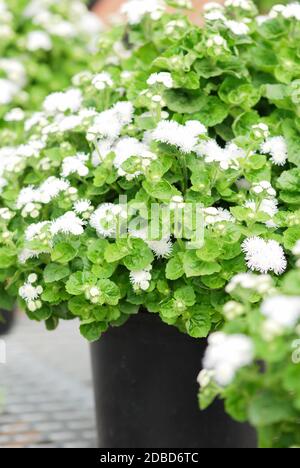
(8, 90)
(264, 256)
(35, 230)
(260, 283)
(243, 4)
(237, 27)
(70, 100)
(141, 279)
(49, 189)
(38, 40)
(161, 248)
(267, 205)
(277, 147)
(283, 310)
(107, 218)
(184, 137)
(226, 354)
(6, 214)
(135, 10)
(69, 122)
(287, 11)
(75, 165)
(263, 187)
(68, 223)
(163, 78)
(102, 80)
(128, 147)
(296, 249)
(15, 71)
(214, 215)
(31, 293)
(227, 157)
(15, 115)
(108, 124)
(82, 207)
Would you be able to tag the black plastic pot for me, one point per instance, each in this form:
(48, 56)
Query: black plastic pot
(6, 321)
(146, 391)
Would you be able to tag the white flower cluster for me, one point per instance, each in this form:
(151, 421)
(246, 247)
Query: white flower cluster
(108, 218)
(127, 148)
(14, 79)
(214, 215)
(291, 10)
(266, 205)
(69, 100)
(264, 255)
(227, 158)
(68, 223)
(162, 248)
(102, 80)
(39, 40)
(75, 165)
(281, 313)
(141, 279)
(277, 148)
(83, 208)
(31, 292)
(163, 78)
(184, 137)
(135, 10)
(225, 355)
(263, 284)
(109, 124)
(263, 188)
(217, 44)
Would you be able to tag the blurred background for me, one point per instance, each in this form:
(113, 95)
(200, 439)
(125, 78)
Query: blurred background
(46, 401)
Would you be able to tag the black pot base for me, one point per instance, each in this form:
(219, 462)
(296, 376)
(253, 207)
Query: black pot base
(146, 391)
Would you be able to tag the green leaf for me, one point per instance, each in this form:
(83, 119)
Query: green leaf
(268, 408)
(199, 323)
(63, 253)
(93, 331)
(174, 268)
(109, 292)
(194, 267)
(54, 272)
(7, 257)
(141, 256)
(162, 190)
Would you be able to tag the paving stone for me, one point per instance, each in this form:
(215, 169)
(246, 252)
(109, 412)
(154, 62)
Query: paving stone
(47, 393)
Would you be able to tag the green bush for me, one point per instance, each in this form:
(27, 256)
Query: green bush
(179, 117)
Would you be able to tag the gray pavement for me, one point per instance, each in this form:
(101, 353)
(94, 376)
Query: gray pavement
(46, 398)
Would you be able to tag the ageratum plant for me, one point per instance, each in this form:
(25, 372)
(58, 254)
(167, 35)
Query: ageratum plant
(43, 43)
(175, 116)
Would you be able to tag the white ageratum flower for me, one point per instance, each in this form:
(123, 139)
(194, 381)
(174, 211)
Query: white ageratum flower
(277, 147)
(226, 354)
(261, 130)
(184, 137)
(267, 205)
(15, 71)
(262, 284)
(296, 249)
(68, 123)
(228, 157)
(246, 5)
(8, 91)
(30, 293)
(37, 231)
(68, 223)
(84, 208)
(214, 215)
(135, 10)
(237, 27)
(217, 43)
(75, 165)
(264, 255)
(141, 279)
(127, 148)
(281, 312)
(161, 248)
(15, 115)
(38, 40)
(109, 124)
(6, 214)
(102, 80)
(287, 11)
(70, 100)
(163, 78)
(108, 218)
(205, 377)
(263, 188)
